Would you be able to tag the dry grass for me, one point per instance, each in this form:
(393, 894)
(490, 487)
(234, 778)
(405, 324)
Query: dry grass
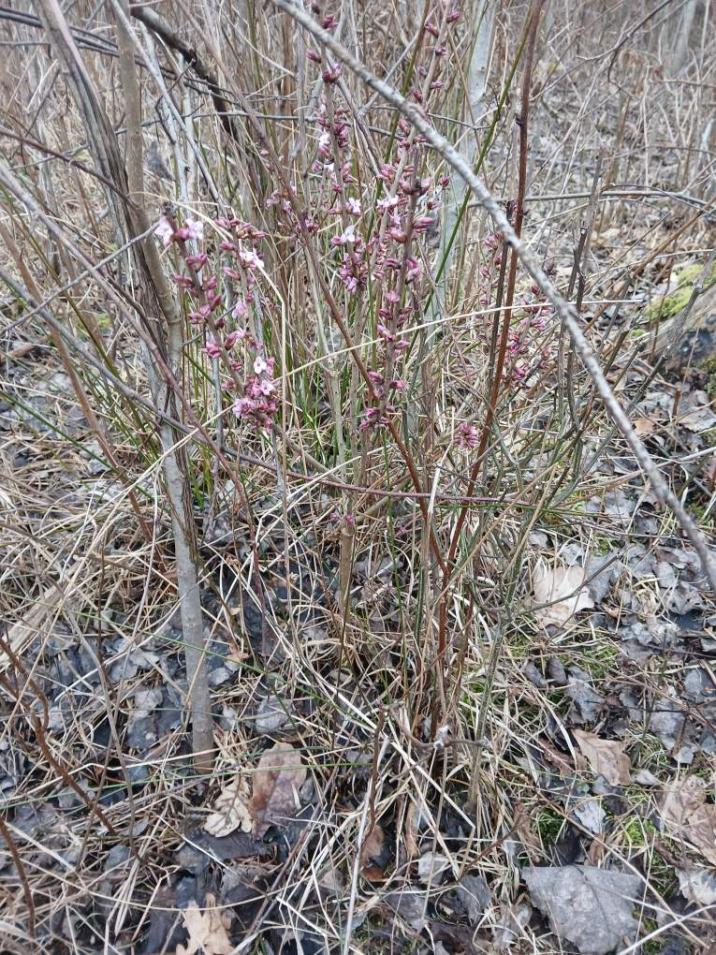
(320, 562)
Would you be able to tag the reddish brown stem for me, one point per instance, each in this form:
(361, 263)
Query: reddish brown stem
(533, 18)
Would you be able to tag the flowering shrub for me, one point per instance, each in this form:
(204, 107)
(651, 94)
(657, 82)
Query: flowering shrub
(379, 256)
(371, 237)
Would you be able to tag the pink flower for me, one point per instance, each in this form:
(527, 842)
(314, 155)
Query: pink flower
(212, 349)
(165, 231)
(233, 337)
(422, 223)
(243, 407)
(414, 269)
(331, 73)
(373, 418)
(197, 262)
(240, 310)
(260, 365)
(250, 259)
(195, 229)
(199, 315)
(466, 436)
(348, 237)
(183, 281)
(387, 202)
(386, 172)
(324, 145)
(191, 229)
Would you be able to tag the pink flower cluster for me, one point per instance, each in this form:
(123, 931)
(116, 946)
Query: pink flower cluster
(466, 437)
(232, 346)
(259, 402)
(387, 249)
(169, 232)
(379, 251)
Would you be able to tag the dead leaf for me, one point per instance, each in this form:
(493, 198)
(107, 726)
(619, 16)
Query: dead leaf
(372, 847)
(410, 906)
(643, 426)
(231, 810)
(371, 853)
(562, 588)
(24, 348)
(688, 815)
(410, 833)
(373, 873)
(433, 867)
(606, 757)
(207, 930)
(698, 415)
(279, 777)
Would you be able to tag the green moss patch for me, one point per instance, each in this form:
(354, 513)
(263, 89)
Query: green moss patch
(667, 306)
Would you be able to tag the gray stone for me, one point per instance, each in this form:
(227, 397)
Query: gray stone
(588, 701)
(271, 715)
(474, 893)
(592, 908)
(219, 676)
(116, 856)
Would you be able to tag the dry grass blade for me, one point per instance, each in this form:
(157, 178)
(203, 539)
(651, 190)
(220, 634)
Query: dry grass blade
(29, 627)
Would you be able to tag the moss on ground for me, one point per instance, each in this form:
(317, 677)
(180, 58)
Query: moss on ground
(663, 308)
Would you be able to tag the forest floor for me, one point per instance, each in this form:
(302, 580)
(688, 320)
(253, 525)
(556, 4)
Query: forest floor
(566, 805)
